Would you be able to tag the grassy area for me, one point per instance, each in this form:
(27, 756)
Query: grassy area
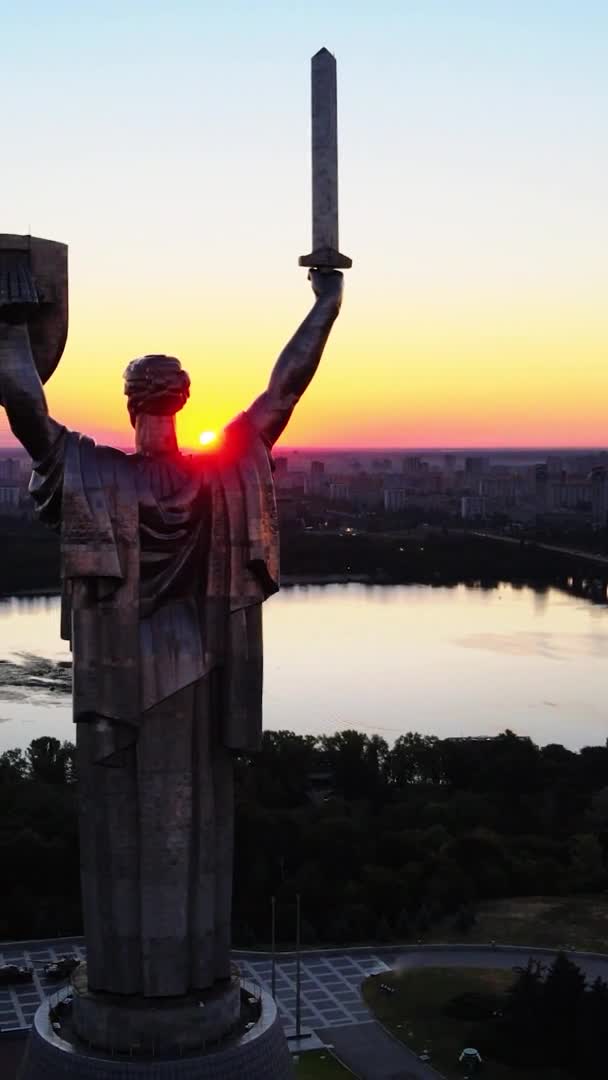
(320, 1065)
(579, 922)
(414, 1015)
(557, 922)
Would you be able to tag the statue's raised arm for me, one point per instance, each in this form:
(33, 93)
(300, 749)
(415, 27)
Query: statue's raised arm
(299, 360)
(22, 393)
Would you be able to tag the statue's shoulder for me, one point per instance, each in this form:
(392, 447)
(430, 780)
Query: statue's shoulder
(92, 459)
(113, 453)
(241, 440)
(240, 432)
(86, 445)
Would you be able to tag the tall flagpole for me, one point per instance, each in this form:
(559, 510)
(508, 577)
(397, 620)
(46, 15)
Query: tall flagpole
(273, 945)
(298, 978)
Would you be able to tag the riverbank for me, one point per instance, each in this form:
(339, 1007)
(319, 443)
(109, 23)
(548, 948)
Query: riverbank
(287, 581)
(43, 590)
(30, 564)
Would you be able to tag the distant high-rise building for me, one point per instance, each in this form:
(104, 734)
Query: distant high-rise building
(11, 469)
(472, 507)
(395, 499)
(555, 464)
(476, 466)
(599, 496)
(571, 493)
(286, 509)
(413, 465)
(366, 492)
(317, 477)
(339, 490)
(11, 497)
(541, 488)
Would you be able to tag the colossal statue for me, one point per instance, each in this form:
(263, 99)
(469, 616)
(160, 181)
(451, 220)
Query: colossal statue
(166, 560)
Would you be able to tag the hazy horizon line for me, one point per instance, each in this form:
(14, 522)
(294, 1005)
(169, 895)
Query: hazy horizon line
(463, 449)
(442, 449)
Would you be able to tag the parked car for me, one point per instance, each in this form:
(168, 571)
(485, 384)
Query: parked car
(12, 973)
(61, 968)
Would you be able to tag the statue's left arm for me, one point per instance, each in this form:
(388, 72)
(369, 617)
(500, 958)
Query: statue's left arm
(299, 360)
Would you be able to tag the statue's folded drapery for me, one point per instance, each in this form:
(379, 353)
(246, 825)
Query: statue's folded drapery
(160, 564)
(165, 564)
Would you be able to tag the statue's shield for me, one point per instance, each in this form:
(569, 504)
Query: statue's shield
(34, 280)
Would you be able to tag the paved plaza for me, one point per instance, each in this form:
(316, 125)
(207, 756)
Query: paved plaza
(330, 980)
(330, 988)
(330, 985)
(19, 1003)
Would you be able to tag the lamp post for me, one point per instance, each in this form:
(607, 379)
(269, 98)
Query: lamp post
(298, 986)
(273, 977)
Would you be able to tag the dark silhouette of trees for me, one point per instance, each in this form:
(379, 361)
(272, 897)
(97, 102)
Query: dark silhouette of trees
(550, 1017)
(38, 841)
(50, 761)
(381, 842)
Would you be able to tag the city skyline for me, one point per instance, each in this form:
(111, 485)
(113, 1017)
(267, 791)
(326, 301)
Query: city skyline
(170, 150)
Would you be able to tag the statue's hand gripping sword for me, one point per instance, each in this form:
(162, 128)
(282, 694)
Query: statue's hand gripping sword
(325, 254)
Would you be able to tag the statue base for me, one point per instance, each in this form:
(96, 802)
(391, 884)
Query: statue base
(259, 1053)
(152, 1026)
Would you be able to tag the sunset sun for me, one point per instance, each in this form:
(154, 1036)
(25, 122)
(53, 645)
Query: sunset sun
(206, 438)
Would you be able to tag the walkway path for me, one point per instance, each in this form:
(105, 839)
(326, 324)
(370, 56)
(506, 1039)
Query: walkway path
(373, 1054)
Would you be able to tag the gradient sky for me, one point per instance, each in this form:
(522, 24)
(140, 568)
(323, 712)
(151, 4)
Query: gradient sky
(168, 144)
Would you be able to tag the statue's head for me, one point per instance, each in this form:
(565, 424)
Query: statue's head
(157, 385)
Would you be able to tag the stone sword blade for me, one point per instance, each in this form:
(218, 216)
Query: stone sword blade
(325, 253)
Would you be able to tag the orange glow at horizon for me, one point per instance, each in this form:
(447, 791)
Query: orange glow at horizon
(412, 362)
(455, 373)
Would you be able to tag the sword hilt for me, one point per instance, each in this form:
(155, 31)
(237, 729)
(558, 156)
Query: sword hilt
(325, 259)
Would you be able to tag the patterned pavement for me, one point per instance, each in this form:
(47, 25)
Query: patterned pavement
(330, 995)
(19, 1003)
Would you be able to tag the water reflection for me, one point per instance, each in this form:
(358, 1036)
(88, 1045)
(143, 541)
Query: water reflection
(450, 659)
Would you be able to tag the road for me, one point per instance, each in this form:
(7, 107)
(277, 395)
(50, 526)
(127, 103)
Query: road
(372, 1054)
(588, 556)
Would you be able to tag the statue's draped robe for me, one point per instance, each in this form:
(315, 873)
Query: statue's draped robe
(165, 564)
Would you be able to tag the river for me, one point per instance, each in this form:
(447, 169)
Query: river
(383, 659)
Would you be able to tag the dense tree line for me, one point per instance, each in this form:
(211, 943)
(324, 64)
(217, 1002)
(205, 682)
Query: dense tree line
(38, 841)
(380, 841)
(550, 1017)
(30, 556)
(398, 837)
